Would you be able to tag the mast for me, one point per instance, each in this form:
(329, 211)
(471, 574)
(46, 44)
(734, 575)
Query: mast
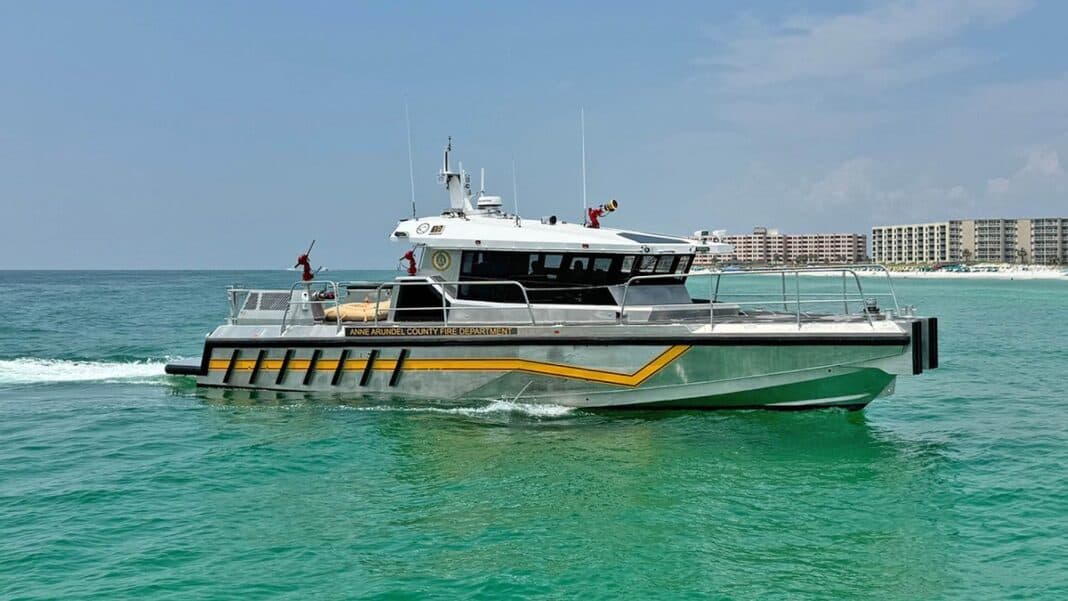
(454, 183)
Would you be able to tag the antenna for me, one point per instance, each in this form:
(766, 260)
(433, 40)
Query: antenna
(515, 188)
(411, 169)
(482, 182)
(582, 120)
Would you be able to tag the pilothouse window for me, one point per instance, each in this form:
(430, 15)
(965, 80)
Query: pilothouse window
(663, 265)
(684, 262)
(648, 264)
(553, 277)
(579, 264)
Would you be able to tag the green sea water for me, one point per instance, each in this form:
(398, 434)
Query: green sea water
(117, 482)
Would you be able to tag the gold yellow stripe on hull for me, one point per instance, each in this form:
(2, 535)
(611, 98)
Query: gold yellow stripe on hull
(474, 364)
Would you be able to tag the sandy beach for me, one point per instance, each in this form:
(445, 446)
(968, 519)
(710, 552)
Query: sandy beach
(979, 272)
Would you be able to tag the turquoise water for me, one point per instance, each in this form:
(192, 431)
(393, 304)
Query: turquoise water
(117, 482)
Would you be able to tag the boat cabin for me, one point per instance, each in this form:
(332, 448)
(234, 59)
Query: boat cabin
(492, 256)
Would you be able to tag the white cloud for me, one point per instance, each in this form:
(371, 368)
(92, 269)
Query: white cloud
(1043, 162)
(1041, 171)
(820, 99)
(895, 42)
(997, 186)
(850, 181)
(867, 187)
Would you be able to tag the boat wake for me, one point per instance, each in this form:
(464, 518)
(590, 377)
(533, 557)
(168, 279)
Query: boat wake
(495, 407)
(32, 370)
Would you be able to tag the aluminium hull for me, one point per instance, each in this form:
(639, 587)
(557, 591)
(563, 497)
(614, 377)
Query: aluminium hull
(690, 370)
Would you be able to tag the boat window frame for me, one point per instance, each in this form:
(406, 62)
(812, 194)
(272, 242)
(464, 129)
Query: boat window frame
(664, 264)
(548, 276)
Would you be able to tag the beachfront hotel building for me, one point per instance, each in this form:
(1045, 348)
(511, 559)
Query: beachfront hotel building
(769, 246)
(1043, 241)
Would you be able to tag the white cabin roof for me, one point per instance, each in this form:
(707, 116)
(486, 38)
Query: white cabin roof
(507, 232)
(481, 224)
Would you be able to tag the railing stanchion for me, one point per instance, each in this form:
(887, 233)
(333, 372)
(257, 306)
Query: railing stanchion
(845, 303)
(893, 294)
(337, 305)
(526, 299)
(784, 292)
(711, 302)
(444, 307)
(378, 301)
(863, 301)
(797, 296)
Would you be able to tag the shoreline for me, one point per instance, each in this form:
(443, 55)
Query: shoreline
(1010, 274)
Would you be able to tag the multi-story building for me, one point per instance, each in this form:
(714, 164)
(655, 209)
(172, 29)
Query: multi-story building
(769, 246)
(1042, 240)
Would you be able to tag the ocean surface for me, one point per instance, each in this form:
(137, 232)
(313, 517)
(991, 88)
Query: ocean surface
(117, 482)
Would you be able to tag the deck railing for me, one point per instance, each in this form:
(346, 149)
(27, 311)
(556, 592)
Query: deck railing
(786, 301)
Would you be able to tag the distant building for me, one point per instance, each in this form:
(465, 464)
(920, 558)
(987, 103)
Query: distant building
(769, 246)
(1042, 240)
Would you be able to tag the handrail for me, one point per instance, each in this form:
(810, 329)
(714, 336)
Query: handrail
(440, 287)
(309, 301)
(740, 300)
(796, 271)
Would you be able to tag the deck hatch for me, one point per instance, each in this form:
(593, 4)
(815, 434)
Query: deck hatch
(282, 369)
(311, 366)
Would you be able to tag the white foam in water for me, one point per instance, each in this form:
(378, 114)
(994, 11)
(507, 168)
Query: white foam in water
(531, 409)
(29, 370)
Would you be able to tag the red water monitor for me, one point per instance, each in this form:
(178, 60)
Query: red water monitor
(594, 214)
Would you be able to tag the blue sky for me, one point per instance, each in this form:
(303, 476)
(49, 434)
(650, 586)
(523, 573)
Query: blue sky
(227, 135)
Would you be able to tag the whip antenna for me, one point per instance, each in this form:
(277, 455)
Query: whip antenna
(411, 169)
(515, 188)
(582, 121)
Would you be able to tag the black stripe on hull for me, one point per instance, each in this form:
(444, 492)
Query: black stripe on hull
(284, 367)
(397, 367)
(311, 366)
(340, 369)
(230, 368)
(368, 367)
(256, 367)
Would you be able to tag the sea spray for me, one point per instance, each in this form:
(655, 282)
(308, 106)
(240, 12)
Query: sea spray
(34, 370)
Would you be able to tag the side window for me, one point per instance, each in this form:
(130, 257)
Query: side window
(628, 264)
(580, 264)
(534, 264)
(467, 262)
(684, 263)
(664, 264)
(551, 266)
(602, 264)
(648, 264)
